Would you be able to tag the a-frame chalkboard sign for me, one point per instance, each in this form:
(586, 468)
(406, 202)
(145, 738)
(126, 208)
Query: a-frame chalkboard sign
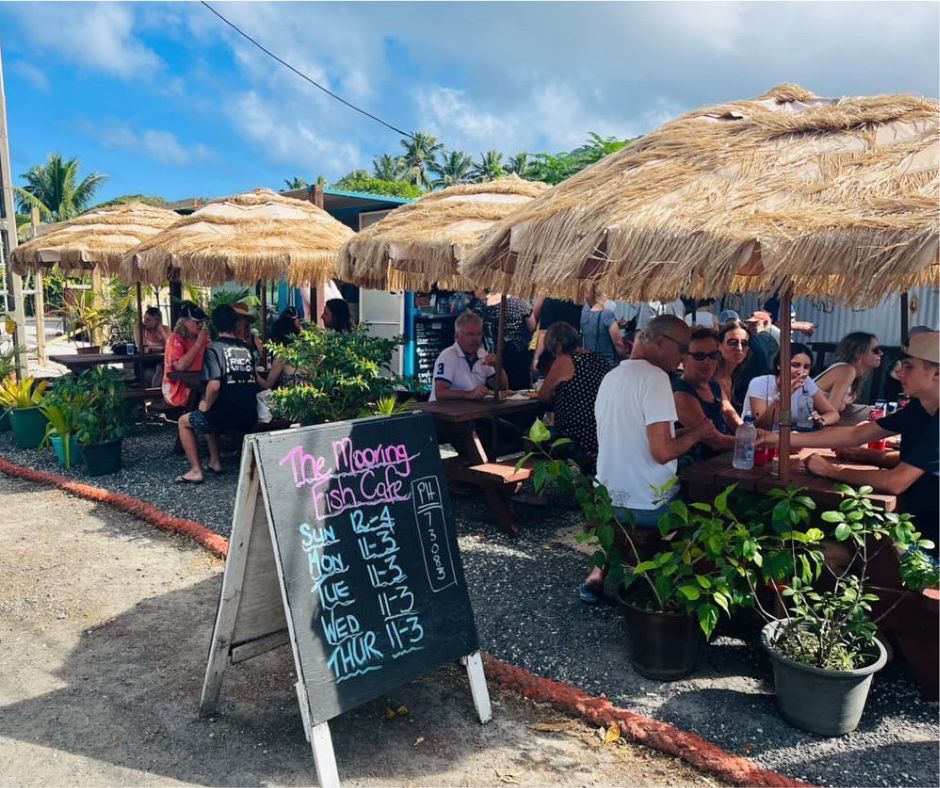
(343, 545)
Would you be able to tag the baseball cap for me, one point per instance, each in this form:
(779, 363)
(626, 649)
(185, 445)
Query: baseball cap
(191, 311)
(242, 311)
(924, 345)
(727, 316)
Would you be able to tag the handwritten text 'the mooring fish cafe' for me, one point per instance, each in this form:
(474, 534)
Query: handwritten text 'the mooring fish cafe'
(352, 477)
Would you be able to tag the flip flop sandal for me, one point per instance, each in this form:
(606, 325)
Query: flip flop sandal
(590, 595)
(184, 480)
(214, 472)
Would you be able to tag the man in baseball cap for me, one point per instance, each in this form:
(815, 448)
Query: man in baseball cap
(915, 471)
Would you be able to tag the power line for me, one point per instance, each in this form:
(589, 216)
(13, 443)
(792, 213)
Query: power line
(304, 76)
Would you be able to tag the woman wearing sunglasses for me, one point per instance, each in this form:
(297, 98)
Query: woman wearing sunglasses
(856, 356)
(734, 343)
(699, 398)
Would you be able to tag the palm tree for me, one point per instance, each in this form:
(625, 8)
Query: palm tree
(296, 183)
(520, 165)
(489, 167)
(452, 168)
(551, 169)
(52, 188)
(389, 168)
(420, 152)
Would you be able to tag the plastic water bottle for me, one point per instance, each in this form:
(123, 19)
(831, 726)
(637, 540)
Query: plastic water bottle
(744, 439)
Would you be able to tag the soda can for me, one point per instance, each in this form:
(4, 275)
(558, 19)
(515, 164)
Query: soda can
(874, 414)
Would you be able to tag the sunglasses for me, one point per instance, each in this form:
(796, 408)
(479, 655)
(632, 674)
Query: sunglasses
(713, 356)
(878, 351)
(683, 348)
(738, 343)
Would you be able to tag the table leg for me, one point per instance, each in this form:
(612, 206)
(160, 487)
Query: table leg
(470, 447)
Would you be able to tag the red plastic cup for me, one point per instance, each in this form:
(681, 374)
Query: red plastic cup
(762, 455)
(873, 415)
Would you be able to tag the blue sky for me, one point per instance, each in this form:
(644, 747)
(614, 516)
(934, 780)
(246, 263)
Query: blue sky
(167, 100)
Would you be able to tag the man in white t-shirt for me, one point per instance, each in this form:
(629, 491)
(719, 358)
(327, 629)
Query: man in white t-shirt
(637, 441)
(465, 370)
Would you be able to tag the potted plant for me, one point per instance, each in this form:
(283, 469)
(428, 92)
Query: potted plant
(61, 407)
(7, 368)
(21, 400)
(672, 599)
(103, 420)
(824, 648)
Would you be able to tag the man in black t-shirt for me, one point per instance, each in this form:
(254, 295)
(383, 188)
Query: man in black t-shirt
(229, 402)
(915, 471)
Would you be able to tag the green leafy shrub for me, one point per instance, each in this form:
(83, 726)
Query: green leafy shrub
(344, 374)
(106, 413)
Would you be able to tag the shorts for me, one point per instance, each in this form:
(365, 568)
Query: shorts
(217, 420)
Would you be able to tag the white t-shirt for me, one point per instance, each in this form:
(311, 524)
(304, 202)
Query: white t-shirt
(765, 387)
(632, 396)
(462, 373)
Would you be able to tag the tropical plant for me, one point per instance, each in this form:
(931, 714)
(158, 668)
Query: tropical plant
(388, 406)
(520, 165)
(27, 393)
(55, 190)
(420, 152)
(489, 167)
(452, 168)
(62, 407)
(146, 199)
(120, 314)
(389, 168)
(296, 183)
(105, 413)
(8, 362)
(343, 372)
(550, 169)
(361, 181)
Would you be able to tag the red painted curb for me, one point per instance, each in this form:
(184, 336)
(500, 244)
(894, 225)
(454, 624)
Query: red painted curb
(151, 514)
(689, 747)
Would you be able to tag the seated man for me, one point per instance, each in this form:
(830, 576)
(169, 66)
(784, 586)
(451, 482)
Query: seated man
(914, 472)
(230, 401)
(637, 441)
(465, 370)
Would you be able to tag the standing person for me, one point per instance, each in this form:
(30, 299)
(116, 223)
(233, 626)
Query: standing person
(600, 332)
(808, 404)
(547, 312)
(230, 400)
(856, 356)
(699, 397)
(571, 387)
(637, 440)
(517, 334)
(914, 473)
(184, 352)
(336, 317)
(734, 344)
(465, 370)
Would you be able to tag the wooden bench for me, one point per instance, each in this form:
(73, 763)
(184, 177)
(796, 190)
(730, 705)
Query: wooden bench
(501, 472)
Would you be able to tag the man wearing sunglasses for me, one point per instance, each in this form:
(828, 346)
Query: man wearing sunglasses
(637, 440)
(916, 471)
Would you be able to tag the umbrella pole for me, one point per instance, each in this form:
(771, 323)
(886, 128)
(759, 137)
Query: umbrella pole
(785, 398)
(264, 319)
(140, 319)
(500, 342)
(904, 320)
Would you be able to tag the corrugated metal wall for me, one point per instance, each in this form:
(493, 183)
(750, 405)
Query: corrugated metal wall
(834, 321)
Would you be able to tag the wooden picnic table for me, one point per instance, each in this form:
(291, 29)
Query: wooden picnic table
(457, 423)
(78, 362)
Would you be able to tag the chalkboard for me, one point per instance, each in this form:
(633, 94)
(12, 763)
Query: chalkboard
(364, 533)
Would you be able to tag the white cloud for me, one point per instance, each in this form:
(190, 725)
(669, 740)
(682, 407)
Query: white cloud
(161, 146)
(95, 35)
(32, 75)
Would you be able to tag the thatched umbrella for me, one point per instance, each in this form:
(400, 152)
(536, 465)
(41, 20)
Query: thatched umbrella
(95, 240)
(257, 235)
(419, 246)
(786, 192)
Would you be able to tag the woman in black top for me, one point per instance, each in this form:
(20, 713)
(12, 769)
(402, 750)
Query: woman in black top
(698, 397)
(516, 337)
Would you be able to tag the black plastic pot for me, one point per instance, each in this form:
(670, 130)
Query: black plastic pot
(827, 702)
(663, 646)
(102, 458)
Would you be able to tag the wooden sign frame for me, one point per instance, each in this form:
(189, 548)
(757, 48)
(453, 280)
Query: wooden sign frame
(253, 616)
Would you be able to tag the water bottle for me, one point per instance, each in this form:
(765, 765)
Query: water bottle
(804, 414)
(744, 439)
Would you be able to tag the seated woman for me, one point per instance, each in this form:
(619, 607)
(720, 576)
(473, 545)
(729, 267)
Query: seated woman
(698, 397)
(185, 349)
(808, 404)
(152, 337)
(571, 388)
(280, 374)
(734, 343)
(856, 356)
(336, 316)
(600, 332)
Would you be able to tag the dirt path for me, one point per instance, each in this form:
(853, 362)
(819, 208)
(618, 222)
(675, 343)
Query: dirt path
(104, 627)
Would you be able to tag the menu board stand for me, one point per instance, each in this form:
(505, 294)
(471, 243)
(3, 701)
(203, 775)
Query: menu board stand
(255, 608)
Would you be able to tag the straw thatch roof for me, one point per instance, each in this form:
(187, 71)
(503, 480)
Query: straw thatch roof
(419, 245)
(841, 195)
(256, 235)
(96, 239)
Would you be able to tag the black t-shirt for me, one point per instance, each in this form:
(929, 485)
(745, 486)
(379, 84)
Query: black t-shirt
(920, 434)
(557, 311)
(229, 361)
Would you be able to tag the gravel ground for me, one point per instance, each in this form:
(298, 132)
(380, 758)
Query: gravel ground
(527, 612)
